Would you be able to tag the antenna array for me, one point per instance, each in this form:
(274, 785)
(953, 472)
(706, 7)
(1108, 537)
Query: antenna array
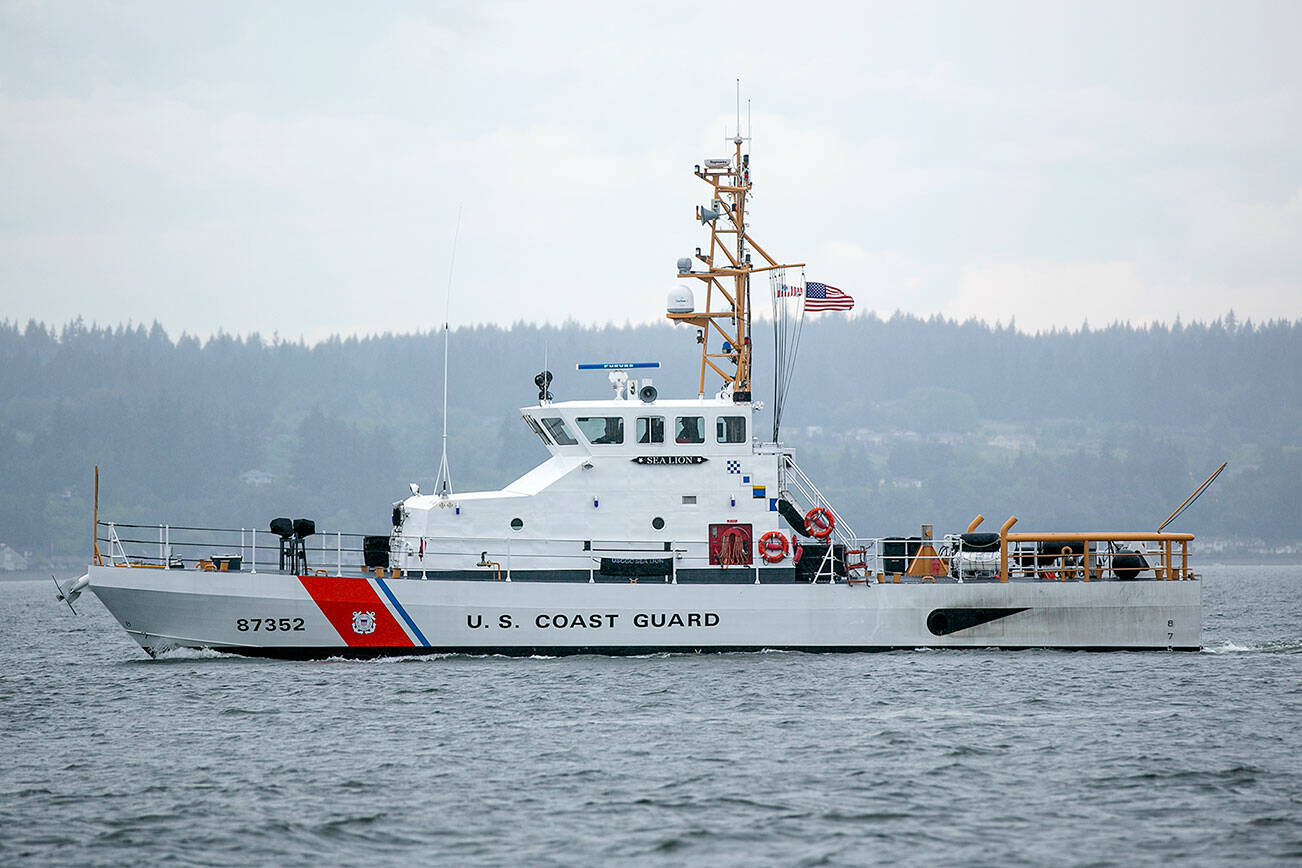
(724, 323)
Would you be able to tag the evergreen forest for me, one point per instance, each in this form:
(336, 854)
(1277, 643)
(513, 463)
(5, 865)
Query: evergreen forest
(900, 421)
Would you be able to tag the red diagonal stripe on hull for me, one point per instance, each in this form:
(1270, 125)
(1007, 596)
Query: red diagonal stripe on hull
(341, 599)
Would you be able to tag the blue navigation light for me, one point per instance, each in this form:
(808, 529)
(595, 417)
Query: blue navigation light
(614, 366)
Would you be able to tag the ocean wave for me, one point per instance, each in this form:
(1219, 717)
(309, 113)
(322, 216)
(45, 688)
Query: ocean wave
(1282, 646)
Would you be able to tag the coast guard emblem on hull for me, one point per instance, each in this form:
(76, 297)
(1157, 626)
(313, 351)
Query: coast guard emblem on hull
(363, 623)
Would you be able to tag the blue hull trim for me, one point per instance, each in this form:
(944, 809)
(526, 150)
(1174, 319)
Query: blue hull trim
(403, 612)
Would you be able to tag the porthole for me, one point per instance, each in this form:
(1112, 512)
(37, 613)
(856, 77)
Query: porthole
(658, 523)
(517, 523)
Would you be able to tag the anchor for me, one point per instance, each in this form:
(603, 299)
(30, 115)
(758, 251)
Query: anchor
(73, 592)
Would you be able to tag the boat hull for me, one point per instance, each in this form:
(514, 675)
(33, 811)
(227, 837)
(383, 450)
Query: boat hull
(278, 615)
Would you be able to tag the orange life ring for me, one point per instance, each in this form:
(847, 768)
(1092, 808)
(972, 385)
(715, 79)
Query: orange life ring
(773, 547)
(819, 522)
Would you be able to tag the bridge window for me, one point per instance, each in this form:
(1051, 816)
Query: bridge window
(534, 425)
(650, 429)
(689, 429)
(602, 430)
(561, 434)
(730, 429)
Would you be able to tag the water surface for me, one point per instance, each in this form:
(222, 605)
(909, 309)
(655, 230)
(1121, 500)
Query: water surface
(971, 757)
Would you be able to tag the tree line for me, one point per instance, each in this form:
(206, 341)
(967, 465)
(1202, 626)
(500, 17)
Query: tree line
(902, 420)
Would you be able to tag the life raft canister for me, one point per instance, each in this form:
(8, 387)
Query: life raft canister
(773, 547)
(819, 522)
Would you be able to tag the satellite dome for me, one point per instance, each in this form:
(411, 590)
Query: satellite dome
(681, 300)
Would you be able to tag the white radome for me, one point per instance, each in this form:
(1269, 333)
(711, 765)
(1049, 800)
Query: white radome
(681, 300)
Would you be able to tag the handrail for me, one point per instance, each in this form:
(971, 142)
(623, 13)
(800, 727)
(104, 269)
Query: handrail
(1102, 536)
(1060, 555)
(216, 529)
(168, 548)
(1168, 568)
(810, 491)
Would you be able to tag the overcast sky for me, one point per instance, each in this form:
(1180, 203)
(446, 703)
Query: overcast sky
(299, 167)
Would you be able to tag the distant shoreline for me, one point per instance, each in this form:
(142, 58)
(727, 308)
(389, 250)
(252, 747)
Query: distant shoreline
(1250, 561)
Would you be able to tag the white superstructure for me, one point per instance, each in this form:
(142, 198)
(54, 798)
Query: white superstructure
(626, 479)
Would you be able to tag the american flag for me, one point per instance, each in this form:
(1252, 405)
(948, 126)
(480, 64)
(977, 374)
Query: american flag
(820, 296)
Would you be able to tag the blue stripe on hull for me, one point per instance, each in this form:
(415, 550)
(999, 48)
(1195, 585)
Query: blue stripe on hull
(403, 612)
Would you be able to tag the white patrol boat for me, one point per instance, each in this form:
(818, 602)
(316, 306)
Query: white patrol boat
(655, 525)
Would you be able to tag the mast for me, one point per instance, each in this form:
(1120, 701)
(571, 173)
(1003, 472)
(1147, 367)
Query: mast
(724, 320)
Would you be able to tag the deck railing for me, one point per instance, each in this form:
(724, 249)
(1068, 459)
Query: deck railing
(1056, 556)
(163, 546)
(1083, 556)
(1086, 555)
(793, 478)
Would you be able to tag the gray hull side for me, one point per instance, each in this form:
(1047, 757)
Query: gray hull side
(163, 610)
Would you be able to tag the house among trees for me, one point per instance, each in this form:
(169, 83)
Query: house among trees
(11, 560)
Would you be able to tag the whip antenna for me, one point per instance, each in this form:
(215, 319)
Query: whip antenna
(1189, 501)
(443, 482)
(739, 108)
